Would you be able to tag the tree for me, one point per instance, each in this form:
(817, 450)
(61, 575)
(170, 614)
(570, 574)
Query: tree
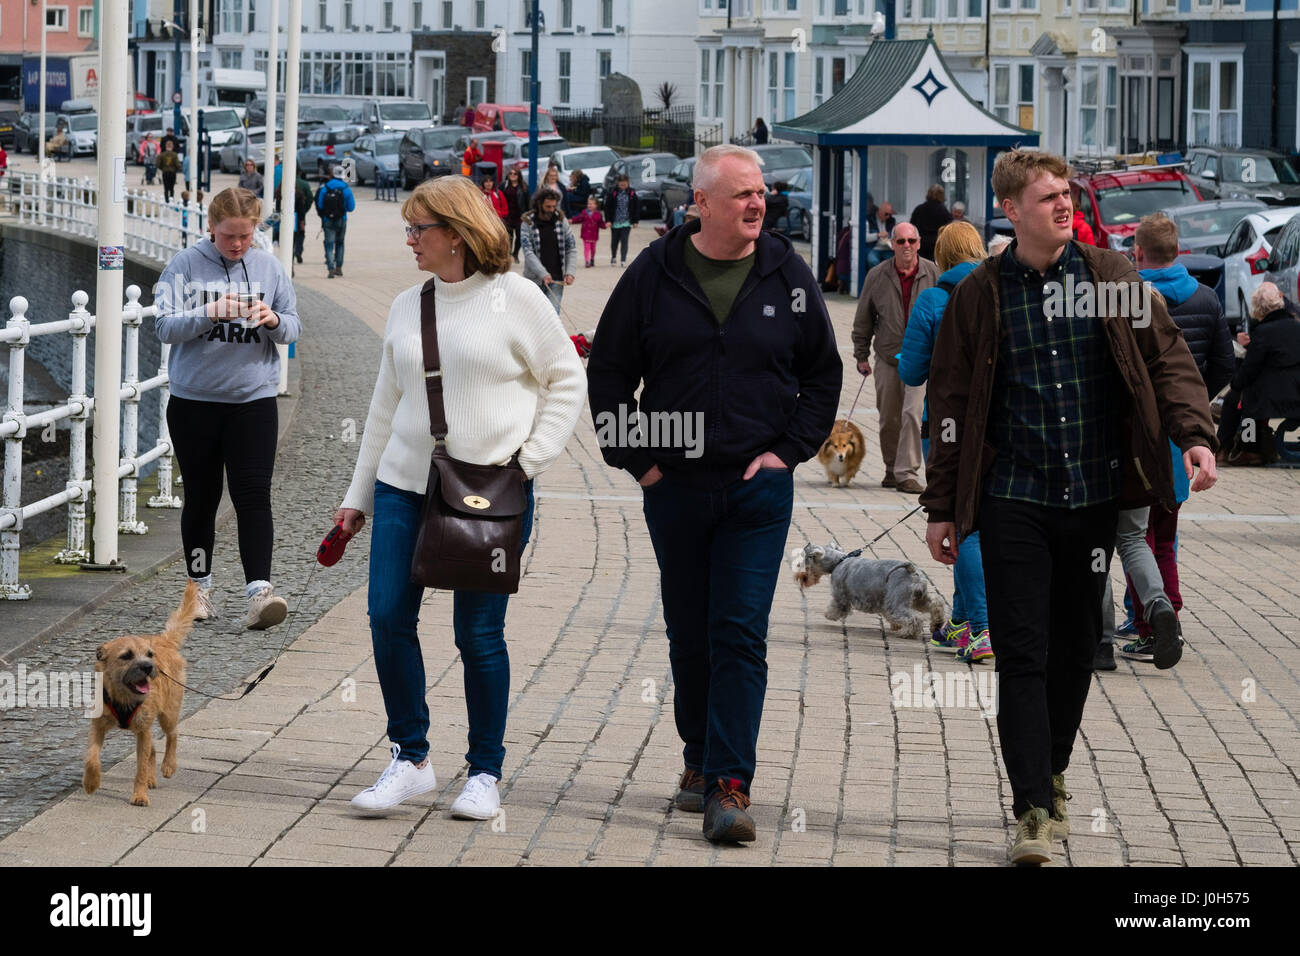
(667, 92)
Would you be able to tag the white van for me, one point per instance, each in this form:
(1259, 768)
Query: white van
(395, 115)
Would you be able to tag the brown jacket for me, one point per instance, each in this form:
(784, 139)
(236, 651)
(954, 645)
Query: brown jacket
(1167, 394)
(880, 309)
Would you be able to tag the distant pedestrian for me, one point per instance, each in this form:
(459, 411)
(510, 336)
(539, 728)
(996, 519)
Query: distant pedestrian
(334, 200)
(550, 251)
(302, 202)
(760, 132)
(169, 136)
(224, 373)
(623, 213)
(1082, 231)
(551, 178)
(516, 192)
(496, 199)
(929, 217)
(592, 221)
(472, 155)
(579, 190)
(148, 157)
(251, 179)
(169, 164)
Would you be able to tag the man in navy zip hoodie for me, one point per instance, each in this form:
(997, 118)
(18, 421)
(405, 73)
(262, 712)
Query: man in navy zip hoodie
(726, 327)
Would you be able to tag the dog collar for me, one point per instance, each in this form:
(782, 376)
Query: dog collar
(123, 720)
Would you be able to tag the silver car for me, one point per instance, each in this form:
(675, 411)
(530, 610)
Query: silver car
(83, 132)
(246, 144)
(1284, 262)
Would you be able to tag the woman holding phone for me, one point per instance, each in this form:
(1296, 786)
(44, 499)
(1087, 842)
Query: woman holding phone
(513, 385)
(223, 306)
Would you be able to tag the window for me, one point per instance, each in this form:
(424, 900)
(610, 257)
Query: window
(526, 75)
(417, 14)
(713, 67)
(1028, 6)
(347, 14)
(566, 14)
(1098, 107)
(322, 14)
(782, 6)
(86, 22)
(339, 73)
(448, 14)
(819, 83)
(1014, 87)
(232, 59)
(252, 20)
(607, 14)
(1214, 107)
(480, 14)
(564, 73)
(56, 18)
(780, 86)
(605, 63)
(388, 14)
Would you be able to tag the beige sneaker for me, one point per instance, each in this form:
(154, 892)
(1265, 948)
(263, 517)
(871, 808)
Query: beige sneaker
(1060, 818)
(203, 608)
(265, 610)
(1033, 843)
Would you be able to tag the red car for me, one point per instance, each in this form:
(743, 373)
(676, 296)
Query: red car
(1114, 201)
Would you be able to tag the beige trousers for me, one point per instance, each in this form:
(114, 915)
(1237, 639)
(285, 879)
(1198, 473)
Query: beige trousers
(900, 408)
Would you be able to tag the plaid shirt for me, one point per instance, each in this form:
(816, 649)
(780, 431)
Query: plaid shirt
(1054, 405)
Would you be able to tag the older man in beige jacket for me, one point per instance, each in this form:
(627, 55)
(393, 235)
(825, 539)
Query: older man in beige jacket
(888, 293)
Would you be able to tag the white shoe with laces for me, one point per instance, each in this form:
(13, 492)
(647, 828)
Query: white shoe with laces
(265, 609)
(203, 607)
(479, 800)
(399, 782)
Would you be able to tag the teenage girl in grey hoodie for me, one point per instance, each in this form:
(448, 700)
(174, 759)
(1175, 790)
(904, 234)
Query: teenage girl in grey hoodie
(223, 306)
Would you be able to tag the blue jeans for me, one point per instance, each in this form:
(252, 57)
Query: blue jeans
(479, 622)
(334, 233)
(969, 602)
(720, 553)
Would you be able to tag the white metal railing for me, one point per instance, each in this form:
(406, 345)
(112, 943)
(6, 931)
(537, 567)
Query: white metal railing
(15, 425)
(154, 228)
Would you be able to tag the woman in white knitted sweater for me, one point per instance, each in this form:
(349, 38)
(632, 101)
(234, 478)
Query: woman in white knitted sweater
(512, 383)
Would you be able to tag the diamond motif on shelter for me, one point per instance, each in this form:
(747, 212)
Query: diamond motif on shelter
(931, 91)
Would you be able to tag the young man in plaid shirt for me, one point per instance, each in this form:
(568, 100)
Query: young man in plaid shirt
(1060, 395)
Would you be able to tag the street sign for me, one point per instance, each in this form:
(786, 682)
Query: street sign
(176, 97)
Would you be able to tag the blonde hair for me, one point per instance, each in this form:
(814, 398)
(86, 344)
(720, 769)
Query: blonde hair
(1016, 169)
(706, 167)
(234, 203)
(456, 201)
(1157, 236)
(1265, 300)
(958, 242)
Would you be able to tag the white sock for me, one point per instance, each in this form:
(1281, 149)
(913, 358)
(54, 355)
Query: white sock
(204, 583)
(254, 586)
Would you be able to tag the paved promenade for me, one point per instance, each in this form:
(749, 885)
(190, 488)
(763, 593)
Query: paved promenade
(1194, 766)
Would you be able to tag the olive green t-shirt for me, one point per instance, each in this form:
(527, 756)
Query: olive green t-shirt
(720, 279)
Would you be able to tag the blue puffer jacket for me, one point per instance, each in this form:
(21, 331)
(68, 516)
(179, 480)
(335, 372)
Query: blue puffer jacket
(923, 329)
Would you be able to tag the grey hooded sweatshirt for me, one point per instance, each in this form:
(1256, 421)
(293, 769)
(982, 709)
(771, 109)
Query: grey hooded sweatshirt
(222, 361)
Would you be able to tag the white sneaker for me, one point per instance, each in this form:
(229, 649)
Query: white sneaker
(400, 781)
(265, 610)
(203, 608)
(479, 800)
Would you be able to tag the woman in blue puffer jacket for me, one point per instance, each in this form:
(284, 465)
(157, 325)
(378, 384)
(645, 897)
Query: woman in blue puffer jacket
(958, 250)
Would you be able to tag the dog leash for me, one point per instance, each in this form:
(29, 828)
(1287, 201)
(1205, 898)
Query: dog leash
(854, 407)
(867, 546)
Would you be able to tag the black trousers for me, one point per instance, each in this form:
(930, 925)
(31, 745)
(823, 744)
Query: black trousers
(240, 438)
(169, 186)
(513, 229)
(1044, 575)
(618, 238)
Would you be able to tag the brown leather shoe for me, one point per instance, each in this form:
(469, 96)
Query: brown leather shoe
(690, 792)
(911, 487)
(889, 481)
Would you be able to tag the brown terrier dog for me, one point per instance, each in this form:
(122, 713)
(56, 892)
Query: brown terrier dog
(842, 453)
(143, 679)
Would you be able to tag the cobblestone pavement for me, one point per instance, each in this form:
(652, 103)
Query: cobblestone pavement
(1197, 765)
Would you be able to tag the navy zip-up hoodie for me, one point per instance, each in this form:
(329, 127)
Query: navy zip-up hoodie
(768, 379)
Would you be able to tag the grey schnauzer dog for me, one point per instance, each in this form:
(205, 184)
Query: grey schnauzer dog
(893, 589)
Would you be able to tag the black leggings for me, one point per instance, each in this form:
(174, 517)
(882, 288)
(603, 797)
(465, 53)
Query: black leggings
(513, 229)
(618, 237)
(169, 186)
(241, 438)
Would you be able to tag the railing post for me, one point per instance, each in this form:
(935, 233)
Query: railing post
(11, 505)
(76, 551)
(164, 498)
(127, 521)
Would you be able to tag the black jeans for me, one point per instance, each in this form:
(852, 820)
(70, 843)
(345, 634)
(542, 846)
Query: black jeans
(169, 186)
(513, 229)
(210, 436)
(720, 554)
(619, 237)
(1044, 574)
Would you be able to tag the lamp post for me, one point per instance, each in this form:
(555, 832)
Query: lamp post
(536, 19)
(40, 124)
(177, 13)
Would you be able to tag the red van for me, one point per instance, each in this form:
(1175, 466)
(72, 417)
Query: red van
(494, 117)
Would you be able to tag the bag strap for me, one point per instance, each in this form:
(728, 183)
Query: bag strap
(432, 369)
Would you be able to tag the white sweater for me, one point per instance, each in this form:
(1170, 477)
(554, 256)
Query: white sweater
(500, 345)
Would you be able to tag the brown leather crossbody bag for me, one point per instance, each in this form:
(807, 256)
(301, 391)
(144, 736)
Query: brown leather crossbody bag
(471, 532)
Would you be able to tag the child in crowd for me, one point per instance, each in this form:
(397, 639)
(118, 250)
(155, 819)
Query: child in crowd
(593, 220)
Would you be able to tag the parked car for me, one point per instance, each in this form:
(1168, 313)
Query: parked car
(595, 161)
(325, 148)
(646, 173)
(1204, 227)
(798, 218)
(677, 189)
(1262, 174)
(27, 140)
(9, 127)
(83, 132)
(375, 154)
(511, 118)
(246, 144)
(425, 153)
(312, 118)
(220, 124)
(387, 116)
(140, 123)
(1284, 261)
(514, 151)
(1114, 201)
(1245, 257)
(781, 162)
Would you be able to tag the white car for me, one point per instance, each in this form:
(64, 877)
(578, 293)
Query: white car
(592, 160)
(1245, 257)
